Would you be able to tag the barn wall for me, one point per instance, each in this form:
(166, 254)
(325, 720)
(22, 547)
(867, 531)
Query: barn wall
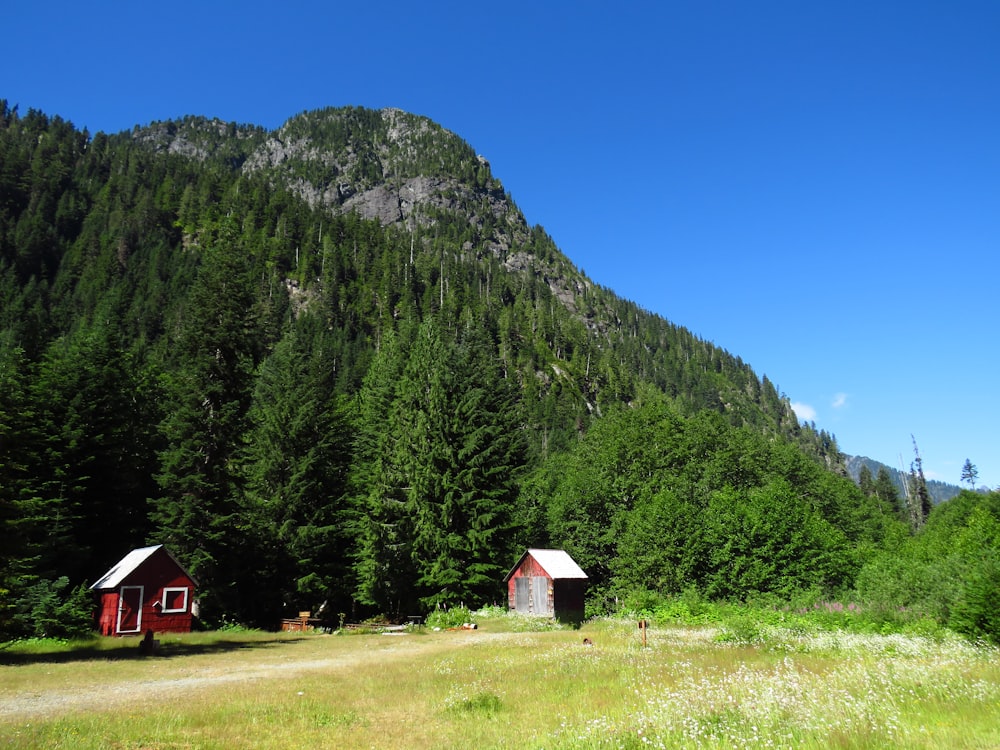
(155, 574)
(529, 568)
(107, 612)
(569, 595)
(565, 597)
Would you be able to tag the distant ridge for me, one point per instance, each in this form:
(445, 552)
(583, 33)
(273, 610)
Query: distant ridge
(940, 491)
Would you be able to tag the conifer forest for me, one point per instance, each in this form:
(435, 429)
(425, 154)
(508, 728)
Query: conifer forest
(332, 368)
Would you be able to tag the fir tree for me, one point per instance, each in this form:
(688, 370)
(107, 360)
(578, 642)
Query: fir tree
(210, 389)
(480, 451)
(970, 474)
(384, 567)
(295, 464)
(919, 496)
(886, 492)
(441, 484)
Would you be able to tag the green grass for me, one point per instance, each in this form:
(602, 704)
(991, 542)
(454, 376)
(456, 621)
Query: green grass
(506, 686)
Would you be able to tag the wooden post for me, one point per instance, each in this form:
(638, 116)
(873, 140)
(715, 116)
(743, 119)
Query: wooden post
(304, 616)
(642, 629)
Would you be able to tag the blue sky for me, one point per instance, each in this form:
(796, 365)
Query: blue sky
(814, 187)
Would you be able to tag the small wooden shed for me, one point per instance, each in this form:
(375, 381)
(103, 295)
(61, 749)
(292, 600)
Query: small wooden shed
(547, 583)
(146, 590)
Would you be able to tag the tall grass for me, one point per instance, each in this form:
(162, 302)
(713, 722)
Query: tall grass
(716, 686)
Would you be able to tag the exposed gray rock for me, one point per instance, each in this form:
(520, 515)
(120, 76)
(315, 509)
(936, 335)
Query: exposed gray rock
(377, 178)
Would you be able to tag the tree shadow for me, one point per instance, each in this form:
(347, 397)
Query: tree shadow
(129, 650)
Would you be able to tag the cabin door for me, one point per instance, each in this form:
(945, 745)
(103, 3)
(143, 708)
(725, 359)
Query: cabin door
(129, 609)
(540, 595)
(522, 594)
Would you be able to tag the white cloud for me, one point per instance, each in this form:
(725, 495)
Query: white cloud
(804, 411)
(839, 401)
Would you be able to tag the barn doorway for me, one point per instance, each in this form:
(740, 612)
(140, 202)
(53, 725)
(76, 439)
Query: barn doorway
(522, 595)
(540, 595)
(130, 609)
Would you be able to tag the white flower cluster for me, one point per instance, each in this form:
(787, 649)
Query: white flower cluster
(775, 701)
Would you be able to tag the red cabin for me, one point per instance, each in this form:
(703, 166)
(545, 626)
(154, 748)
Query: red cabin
(146, 590)
(548, 583)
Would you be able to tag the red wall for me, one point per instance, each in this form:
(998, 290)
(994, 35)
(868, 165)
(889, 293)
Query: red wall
(107, 612)
(528, 567)
(566, 597)
(157, 572)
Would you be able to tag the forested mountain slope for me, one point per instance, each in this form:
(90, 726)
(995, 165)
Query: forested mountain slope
(939, 491)
(331, 363)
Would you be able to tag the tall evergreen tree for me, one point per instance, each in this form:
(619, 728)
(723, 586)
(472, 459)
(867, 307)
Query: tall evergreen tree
(466, 540)
(438, 529)
(96, 419)
(16, 516)
(295, 463)
(866, 481)
(210, 391)
(970, 474)
(919, 497)
(384, 566)
(886, 493)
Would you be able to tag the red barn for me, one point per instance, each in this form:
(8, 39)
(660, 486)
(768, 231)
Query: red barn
(146, 590)
(547, 582)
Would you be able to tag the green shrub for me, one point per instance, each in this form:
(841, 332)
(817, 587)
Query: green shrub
(688, 608)
(492, 611)
(483, 702)
(744, 630)
(47, 609)
(449, 618)
(977, 612)
(642, 603)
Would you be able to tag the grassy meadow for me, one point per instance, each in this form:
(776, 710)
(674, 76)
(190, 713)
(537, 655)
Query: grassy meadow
(509, 684)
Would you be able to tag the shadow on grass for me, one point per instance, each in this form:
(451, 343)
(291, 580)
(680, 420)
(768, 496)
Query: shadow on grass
(127, 649)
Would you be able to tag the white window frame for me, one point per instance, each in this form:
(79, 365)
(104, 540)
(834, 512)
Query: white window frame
(173, 590)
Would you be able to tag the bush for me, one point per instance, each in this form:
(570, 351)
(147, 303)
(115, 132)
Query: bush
(689, 608)
(47, 610)
(743, 630)
(977, 613)
(449, 618)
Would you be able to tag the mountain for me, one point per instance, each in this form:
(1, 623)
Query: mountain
(429, 194)
(337, 349)
(940, 491)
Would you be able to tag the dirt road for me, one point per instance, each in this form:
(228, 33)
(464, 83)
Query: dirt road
(106, 696)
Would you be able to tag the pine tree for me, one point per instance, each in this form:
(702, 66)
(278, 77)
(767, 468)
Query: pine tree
(17, 520)
(919, 496)
(970, 474)
(886, 493)
(96, 420)
(196, 514)
(295, 464)
(441, 481)
(866, 482)
(384, 564)
(462, 551)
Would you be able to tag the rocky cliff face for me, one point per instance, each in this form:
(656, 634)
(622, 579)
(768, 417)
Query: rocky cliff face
(377, 167)
(201, 139)
(396, 168)
(403, 171)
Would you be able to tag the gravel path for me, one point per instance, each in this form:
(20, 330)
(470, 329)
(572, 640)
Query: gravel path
(49, 703)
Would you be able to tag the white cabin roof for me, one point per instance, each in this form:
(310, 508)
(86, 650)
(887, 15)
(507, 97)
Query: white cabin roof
(556, 562)
(123, 567)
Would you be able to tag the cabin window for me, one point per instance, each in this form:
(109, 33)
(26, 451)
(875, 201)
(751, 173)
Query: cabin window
(175, 600)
